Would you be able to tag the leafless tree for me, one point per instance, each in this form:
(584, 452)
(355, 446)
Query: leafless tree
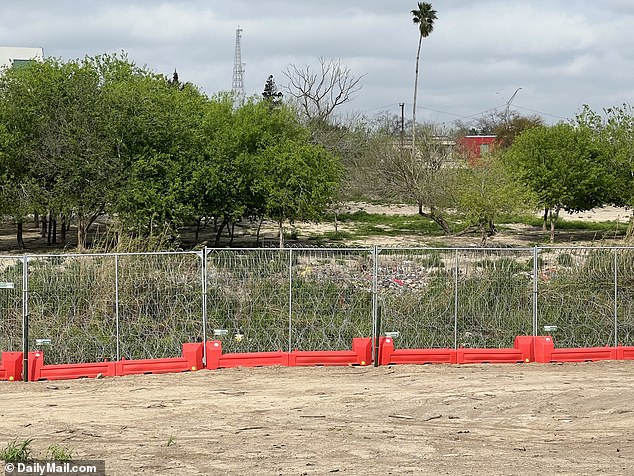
(318, 93)
(426, 175)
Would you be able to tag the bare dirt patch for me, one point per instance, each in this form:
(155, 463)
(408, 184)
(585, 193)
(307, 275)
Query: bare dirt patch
(566, 419)
(246, 233)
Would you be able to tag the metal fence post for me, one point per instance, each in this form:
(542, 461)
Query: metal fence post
(25, 319)
(455, 312)
(375, 306)
(290, 298)
(116, 304)
(204, 303)
(616, 297)
(535, 289)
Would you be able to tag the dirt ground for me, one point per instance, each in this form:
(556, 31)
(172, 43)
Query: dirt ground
(510, 235)
(505, 419)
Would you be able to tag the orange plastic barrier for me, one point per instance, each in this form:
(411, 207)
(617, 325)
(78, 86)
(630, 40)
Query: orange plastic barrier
(389, 355)
(522, 351)
(192, 359)
(525, 349)
(217, 360)
(545, 351)
(361, 354)
(625, 353)
(11, 366)
(39, 371)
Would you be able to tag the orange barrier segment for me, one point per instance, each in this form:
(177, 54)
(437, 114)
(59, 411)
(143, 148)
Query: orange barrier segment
(545, 352)
(361, 354)
(522, 351)
(217, 360)
(39, 371)
(11, 366)
(389, 355)
(191, 360)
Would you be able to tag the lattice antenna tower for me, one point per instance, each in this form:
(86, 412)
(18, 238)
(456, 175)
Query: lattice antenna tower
(237, 86)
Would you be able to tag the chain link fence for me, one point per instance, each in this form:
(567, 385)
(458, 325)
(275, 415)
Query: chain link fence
(11, 279)
(304, 299)
(83, 307)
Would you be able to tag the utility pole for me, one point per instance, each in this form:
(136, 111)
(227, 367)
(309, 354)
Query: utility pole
(402, 104)
(237, 85)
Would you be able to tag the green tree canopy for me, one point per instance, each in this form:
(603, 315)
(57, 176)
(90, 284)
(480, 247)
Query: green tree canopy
(564, 166)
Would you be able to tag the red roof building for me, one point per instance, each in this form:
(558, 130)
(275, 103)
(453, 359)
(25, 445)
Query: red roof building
(474, 147)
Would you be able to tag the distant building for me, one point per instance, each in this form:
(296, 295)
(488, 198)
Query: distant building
(474, 147)
(15, 56)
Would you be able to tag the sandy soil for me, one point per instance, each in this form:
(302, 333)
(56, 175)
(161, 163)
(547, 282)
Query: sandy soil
(570, 419)
(510, 235)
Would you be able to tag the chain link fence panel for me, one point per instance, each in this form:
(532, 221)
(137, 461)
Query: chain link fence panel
(71, 307)
(248, 299)
(416, 295)
(495, 297)
(11, 303)
(331, 298)
(625, 296)
(160, 303)
(576, 289)
(84, 308)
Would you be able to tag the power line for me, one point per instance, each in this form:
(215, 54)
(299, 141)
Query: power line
(540, 112)
(462, 116)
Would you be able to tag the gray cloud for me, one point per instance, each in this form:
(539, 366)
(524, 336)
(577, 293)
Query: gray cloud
(562, 55)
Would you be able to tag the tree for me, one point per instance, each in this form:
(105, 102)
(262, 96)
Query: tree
(271, 93)
(297, 181)
(424, 17)
(615, 131)
(426, 176)
(487, 190)
(564, 166)
(512, 126)
(319, 93)
(58, 120)
(160, 141)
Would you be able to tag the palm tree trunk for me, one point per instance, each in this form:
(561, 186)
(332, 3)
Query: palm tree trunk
(420, 42)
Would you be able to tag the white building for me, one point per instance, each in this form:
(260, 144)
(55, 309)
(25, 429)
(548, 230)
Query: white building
(11, 55)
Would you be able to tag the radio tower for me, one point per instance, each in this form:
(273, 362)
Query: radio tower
(237, 86)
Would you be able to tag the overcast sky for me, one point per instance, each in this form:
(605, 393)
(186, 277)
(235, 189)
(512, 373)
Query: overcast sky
(562, 53)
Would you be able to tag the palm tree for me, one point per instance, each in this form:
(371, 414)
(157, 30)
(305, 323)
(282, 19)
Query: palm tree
(424, 17)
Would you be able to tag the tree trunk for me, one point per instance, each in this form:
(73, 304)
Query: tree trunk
(44, 226)
(281, 232)
(420, 42)
(553, 220)
(257, 236)
(197, 229)
(484, 233)
(20, 235)
(219, 232)
(438, 219)
(36, 220)
(232, 232)
(545, 223)
(62, 235)
(82, 233)
(51, 238)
